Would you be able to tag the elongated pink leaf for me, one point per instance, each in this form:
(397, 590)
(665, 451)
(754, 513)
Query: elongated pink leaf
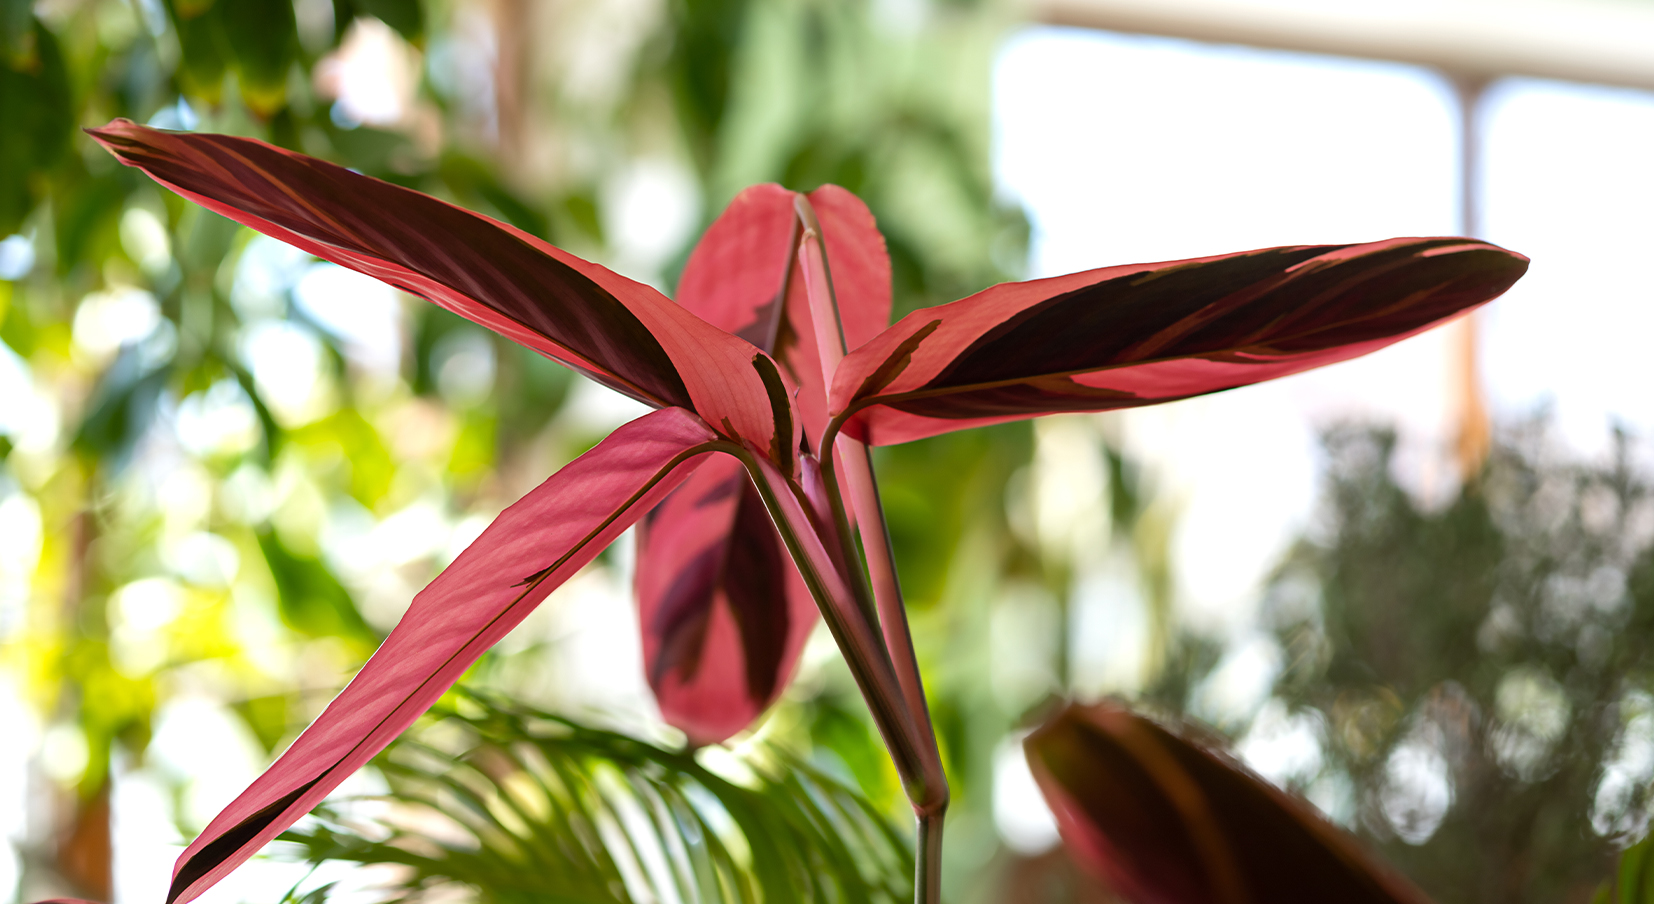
(619, 332)
(1169, 820)
(529, 550)
(1141, 334)
(724, 612)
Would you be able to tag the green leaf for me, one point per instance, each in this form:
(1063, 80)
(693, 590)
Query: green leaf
(204, 52)
(1636, 877)
(407, 17)
(264, 39)
(123, 406)
(311, 599)
(534, 807)
(34, 92)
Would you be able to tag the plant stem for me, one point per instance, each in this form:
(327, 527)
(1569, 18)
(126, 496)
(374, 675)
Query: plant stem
(836, 595)
(881, 568)
(927, 878)
(927, 789)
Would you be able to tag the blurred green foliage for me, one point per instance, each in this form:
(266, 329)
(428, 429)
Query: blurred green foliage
(1633, 880)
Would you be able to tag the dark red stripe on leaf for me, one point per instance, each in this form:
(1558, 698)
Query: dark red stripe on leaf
(226, 845)
(622, 333)
(783, 442)
(1099, 325)
(1169, 820)
(1142, 334)
(756, 577)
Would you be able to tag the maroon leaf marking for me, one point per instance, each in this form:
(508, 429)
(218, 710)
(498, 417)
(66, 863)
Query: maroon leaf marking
(723, 610)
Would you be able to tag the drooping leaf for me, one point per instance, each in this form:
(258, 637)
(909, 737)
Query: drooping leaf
(534, 807)
(1122, 337)
(723, 610)
(1167, 819)
(530, 549)
(619, 332)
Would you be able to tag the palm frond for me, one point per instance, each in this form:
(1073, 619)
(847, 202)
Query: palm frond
(509, 805)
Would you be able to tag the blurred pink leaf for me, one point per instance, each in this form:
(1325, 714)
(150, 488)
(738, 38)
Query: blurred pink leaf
(1168, 819)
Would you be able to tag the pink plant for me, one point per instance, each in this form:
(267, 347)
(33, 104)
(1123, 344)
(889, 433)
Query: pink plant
(771, 376)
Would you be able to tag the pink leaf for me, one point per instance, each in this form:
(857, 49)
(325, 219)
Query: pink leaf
(723, 610)
(1168, 820)
(620, 333)
(1135, 335)
(733, 278)
(529, 550)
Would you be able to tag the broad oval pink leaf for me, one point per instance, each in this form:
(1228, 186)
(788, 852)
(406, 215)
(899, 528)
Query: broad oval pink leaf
(1166, 819)
(529, 550)
(723, 610)
(619, 332)
(734, 277)
(1141, 334)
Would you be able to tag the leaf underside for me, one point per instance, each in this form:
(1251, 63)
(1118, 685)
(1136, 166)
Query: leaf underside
(723, 610)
